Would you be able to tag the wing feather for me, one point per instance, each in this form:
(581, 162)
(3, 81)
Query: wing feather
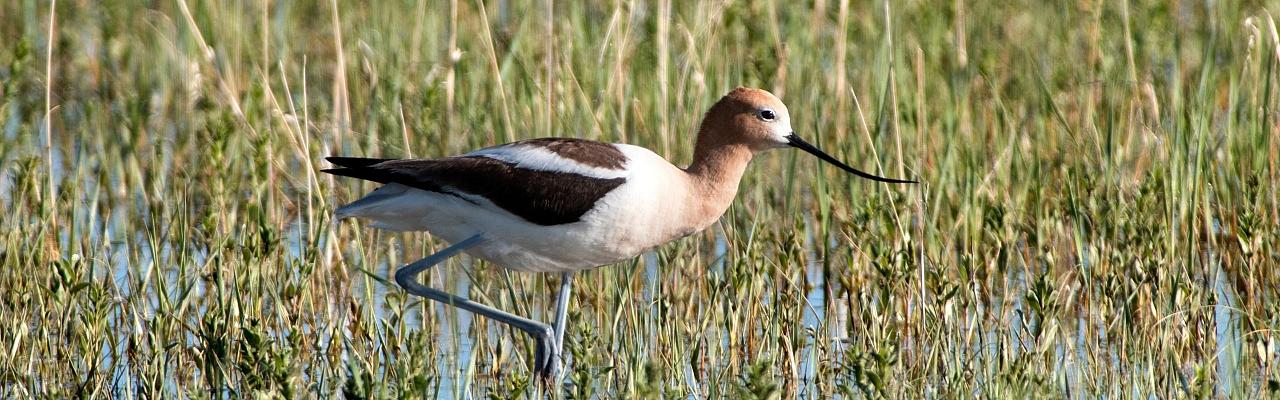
(540, 196)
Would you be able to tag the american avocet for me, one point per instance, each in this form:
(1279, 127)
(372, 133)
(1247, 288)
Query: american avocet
(564, 205)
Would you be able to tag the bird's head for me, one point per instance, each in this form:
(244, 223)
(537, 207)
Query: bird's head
(760, 121)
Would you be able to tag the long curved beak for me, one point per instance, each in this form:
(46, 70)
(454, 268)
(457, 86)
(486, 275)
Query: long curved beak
(794, 141)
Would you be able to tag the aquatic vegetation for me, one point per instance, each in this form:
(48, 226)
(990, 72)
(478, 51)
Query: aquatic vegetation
(1097, 213)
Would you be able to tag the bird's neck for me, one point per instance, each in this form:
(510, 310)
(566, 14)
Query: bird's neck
(716, 170)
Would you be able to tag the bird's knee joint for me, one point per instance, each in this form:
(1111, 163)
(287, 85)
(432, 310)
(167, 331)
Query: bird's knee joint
(405, 278)
(543, 332)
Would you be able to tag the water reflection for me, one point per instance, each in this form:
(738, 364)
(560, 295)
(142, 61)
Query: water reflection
(455, 336)
(1226, 330)
(814, 314)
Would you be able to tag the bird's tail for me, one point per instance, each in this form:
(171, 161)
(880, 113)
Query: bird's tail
(350, 167)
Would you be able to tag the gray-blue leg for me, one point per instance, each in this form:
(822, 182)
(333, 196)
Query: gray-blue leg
(562, 313)
(546, 357)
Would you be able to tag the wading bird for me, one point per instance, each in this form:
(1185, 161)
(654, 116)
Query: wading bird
(564, 205)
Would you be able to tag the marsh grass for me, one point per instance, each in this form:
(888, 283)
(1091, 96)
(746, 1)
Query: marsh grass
(1097, 214)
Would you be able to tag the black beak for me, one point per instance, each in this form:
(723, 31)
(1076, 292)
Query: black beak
(795, 141)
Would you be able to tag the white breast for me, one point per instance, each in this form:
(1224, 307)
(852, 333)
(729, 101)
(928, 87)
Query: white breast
(646, 211)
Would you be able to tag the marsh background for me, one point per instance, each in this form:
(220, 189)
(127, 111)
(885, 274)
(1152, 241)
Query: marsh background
(1097, 215)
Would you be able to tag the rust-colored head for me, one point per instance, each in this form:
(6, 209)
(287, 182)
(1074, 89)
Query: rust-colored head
(757, 120)
(751, 117)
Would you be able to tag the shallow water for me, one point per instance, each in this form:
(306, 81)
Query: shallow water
(458, 338)
(131, 263)
(1227, 332)
(814, 315)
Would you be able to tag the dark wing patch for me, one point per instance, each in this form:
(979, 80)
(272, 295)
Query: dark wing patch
(587, 152)
(540, 197)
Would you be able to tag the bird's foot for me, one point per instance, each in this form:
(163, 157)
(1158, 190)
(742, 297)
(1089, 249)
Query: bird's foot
(546, 358)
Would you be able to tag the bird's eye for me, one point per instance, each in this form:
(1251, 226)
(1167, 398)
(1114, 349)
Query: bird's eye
(767, 115)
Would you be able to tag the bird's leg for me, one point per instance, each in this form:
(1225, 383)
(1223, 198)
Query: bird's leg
(562, 313)
(544, 354)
